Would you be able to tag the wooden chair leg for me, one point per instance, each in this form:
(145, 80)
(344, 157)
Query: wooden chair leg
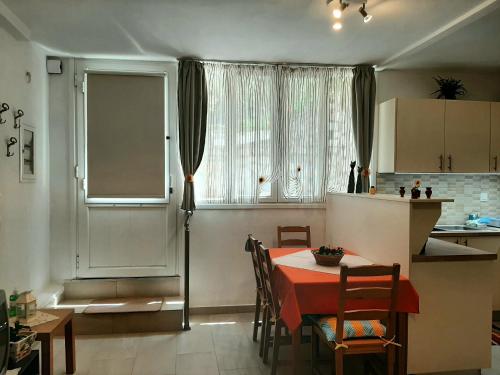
(263, 331)
(256, 320)
(391, 360)
(267, 338)
(276, 346)
(339, 362)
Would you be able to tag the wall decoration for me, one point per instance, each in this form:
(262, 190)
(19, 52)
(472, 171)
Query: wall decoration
(3, 108)
(27, 144)
(11, 142)
(17, 118)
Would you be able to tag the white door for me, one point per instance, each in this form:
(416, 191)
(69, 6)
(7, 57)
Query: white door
(127, 238)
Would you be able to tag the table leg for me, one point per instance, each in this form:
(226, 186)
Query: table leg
(402, 338)
(296, 360)
(69, 346)
(47, 355)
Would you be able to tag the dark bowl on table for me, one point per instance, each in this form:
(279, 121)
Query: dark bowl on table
(327, 260)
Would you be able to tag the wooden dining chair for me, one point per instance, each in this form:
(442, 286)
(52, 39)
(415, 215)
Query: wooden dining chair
(360, 331)
(251, 246)
(293, 242)
(271, 311)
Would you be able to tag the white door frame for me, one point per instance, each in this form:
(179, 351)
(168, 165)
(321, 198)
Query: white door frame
(83, 266)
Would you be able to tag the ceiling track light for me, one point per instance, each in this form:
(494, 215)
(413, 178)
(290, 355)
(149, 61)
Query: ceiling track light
(337, 12)
(366, 17)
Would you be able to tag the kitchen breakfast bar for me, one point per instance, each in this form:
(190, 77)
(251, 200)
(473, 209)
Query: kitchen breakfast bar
(452, 331)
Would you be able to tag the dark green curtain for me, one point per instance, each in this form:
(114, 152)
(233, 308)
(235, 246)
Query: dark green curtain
(192, 103)
(363, 116)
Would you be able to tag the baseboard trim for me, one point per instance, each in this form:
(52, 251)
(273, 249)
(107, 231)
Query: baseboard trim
(228, 309)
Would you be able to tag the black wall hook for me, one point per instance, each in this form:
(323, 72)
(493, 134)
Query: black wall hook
(3, 108)
(11, 142)
(17, 115)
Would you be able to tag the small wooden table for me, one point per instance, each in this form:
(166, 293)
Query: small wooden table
(45, 334)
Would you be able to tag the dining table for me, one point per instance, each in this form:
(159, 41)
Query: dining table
(305, 288)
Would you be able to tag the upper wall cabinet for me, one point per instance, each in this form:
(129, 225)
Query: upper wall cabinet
(495, 138)
(436, 136)
(467, 136)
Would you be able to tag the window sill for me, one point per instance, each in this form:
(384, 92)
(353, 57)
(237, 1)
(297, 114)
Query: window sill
(260, 206)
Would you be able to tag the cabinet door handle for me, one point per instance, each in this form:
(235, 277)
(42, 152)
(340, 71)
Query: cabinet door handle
(495, 165)
(466, 243)
(449, 162)
(441, 162)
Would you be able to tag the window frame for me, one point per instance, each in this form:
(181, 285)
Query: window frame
(166, 133)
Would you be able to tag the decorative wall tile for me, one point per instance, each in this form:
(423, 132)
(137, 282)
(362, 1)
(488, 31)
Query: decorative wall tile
(464, 188)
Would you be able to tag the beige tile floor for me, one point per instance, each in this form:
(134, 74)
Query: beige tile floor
(217, 344)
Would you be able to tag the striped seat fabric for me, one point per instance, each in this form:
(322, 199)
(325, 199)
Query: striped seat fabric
(352, 328)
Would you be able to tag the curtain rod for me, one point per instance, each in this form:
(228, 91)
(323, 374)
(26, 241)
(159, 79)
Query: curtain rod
(305, 65)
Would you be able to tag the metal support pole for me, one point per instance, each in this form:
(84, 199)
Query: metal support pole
(186, 270)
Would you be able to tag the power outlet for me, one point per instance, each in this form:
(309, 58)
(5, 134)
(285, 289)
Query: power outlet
(483, 197)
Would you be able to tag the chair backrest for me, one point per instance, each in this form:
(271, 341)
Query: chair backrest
(251, 245)
(387, 296)
(294, 241)
(270, 291)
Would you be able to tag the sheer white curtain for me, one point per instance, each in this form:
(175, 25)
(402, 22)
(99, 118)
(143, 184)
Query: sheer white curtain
(288, 125)
(241, 149)
(317, 143)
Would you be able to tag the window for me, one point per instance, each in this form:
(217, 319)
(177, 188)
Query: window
(275, 134)
(125, 138)
(241, 147)
(316, 129)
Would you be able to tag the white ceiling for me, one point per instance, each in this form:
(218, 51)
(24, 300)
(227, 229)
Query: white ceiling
(261, 30)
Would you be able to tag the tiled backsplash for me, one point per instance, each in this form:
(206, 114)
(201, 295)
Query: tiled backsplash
(465, 189)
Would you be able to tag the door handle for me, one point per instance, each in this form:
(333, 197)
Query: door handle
(441, 162)
(495, 165)
(466, 243)
(449, 162)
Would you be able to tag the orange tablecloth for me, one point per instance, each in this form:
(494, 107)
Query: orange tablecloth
(309, 292)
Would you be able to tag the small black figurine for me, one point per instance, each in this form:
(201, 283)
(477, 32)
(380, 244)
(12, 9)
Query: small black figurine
(359, 181)
(350, 186)
(402, 191)
(428, 192)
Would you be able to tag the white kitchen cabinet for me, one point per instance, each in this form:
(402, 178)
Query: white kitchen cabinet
(492, 244)
(467, 136)
(411, 134)
(438, 136)
(495, 138)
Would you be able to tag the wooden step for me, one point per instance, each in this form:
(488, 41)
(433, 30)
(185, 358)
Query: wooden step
(121, 287)
(168, 318)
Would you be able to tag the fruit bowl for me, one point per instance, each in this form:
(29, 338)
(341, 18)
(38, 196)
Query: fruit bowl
(329, 257)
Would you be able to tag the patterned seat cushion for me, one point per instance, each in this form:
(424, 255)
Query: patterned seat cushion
(352, 328)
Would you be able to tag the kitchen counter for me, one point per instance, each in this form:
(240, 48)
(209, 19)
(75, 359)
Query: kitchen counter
(466, 233)
(453, 286)
(442, 251)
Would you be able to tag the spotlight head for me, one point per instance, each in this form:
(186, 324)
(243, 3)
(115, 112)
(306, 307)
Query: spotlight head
(366, 17)
(337, 12)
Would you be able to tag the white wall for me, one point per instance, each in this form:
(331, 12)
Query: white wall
(62, 183)
(221, 271)
(419, 84)
(24, 207)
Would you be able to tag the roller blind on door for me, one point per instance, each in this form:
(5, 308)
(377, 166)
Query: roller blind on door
(125, 136)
